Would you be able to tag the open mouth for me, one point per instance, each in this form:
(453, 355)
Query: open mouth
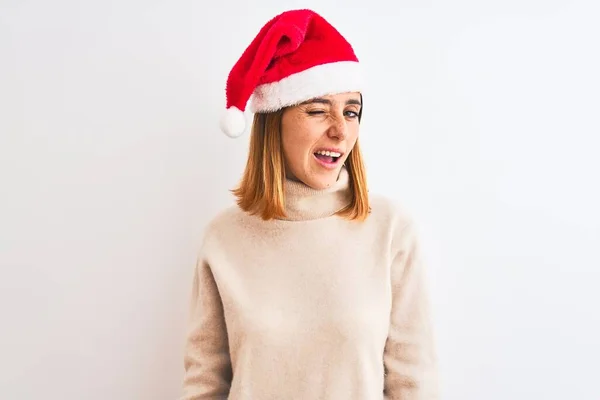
(328, 158)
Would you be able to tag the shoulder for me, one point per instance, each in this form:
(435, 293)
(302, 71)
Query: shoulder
(222, 225)
(392, 210)
(224, 217)
(396, 216)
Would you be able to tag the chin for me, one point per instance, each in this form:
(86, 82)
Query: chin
(324, 179)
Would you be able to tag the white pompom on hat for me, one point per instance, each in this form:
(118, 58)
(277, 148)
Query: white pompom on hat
(296, 56)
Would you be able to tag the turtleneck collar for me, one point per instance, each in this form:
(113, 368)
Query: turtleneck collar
(304, 203)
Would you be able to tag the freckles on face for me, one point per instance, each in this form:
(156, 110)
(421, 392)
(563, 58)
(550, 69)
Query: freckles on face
(317, 137)
(299, 137)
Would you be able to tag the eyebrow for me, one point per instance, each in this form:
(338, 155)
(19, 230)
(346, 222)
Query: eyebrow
(321, 100)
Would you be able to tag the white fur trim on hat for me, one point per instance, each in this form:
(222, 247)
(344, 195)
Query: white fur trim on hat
(320, 80)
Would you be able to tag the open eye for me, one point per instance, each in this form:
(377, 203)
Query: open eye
(351, 114)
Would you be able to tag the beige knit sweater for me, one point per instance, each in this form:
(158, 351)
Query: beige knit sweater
(314, 307)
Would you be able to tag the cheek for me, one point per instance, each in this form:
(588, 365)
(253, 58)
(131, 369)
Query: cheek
(298, 138)
(299, 147)
(354, 128)
(352, 135)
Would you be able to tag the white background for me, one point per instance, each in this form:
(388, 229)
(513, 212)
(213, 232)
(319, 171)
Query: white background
(481, 116)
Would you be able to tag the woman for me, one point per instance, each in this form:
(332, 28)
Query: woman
(309, 288)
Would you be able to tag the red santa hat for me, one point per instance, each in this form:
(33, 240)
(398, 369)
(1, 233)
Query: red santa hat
(296, 56)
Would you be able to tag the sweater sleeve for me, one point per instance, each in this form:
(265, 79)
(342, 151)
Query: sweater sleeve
(206, 351)
(409, 357)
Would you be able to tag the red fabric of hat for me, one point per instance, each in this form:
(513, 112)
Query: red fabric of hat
(296, 56)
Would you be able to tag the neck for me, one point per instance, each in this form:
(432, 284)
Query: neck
(304, 203)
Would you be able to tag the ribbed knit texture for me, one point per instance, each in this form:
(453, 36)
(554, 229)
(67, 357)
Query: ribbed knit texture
(313, 307)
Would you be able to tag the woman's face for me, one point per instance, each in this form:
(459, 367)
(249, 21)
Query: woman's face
(318, 136)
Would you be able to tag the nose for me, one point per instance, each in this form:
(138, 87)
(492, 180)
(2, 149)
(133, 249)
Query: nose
(338, 128)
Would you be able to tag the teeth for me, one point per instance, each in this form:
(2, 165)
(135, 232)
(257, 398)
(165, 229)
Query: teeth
(329, 153)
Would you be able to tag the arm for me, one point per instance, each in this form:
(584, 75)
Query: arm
(409, 357)
(206, 359)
